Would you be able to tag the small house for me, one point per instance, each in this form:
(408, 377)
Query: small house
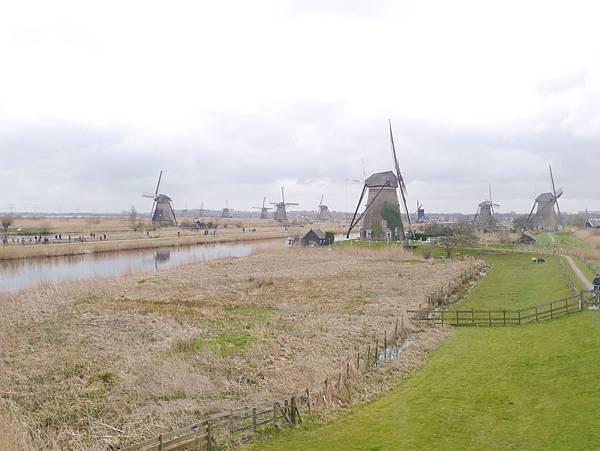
(314, 237)
(526, 238)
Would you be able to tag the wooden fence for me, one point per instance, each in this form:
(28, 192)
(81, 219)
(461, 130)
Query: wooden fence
(239, 425)
(488, 318)
(567, 273)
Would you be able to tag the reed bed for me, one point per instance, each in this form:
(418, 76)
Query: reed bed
(108, 362)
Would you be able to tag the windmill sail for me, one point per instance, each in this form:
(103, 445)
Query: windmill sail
(400, 179)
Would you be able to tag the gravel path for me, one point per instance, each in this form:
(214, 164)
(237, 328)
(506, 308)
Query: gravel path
(579, 273)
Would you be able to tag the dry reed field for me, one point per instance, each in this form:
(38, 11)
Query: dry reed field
(110, 362)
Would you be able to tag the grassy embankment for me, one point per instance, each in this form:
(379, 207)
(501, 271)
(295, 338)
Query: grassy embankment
(529, 387)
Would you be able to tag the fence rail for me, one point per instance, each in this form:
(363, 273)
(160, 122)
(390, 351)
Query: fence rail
(237, 426)
(536, 313)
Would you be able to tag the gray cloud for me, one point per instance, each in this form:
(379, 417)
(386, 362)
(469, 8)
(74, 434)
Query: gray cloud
(311, 148)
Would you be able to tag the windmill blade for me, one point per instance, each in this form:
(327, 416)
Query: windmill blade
(152, 210)
(491, 201)
(321, 203)
(556, 198)
(282, 195)
(148, 195)
(529, 217)
(264, 200)
(399, 177)
(158, 184)
(291, 203)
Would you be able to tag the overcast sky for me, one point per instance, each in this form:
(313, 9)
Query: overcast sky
(233, 99)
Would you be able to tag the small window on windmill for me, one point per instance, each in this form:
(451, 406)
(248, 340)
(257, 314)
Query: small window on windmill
(388, 234)
(384, 224)
(369, 233)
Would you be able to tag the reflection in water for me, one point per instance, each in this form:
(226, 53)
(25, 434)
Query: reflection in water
(18, 274)
(161, 256)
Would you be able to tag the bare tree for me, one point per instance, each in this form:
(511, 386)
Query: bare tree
(7, 221)
(460, 235)
(133, 217)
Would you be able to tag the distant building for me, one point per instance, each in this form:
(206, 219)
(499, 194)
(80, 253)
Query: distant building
(526, 238)
(314, 237)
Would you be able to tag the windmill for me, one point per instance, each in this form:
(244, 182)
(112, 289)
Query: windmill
(280, 213)
(201, 211)
(162, 212)
(485, 216)
(382, 203)
(420, 213)
(226, 213)
(324, 214)
(264, 211)
(545, 217)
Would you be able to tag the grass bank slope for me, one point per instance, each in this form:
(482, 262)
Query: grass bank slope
(527, 387)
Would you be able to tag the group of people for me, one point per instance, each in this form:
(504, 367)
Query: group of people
(39, 239)
(596, 282)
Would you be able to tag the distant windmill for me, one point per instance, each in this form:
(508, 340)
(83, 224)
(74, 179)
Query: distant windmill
(382, 197)
(280, 213)
(264, 211)
(201, 211)
(324, 214)
(162, 212)
(545, 217)
(485, 216)
(420, 213)
(226, 213)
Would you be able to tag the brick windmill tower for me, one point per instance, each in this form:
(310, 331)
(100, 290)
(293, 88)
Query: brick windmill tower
(162, 212)
(280, 213)
(546, 208)
(382, 204)
(324, 214)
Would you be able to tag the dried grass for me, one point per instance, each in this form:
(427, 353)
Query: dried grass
(109, 362)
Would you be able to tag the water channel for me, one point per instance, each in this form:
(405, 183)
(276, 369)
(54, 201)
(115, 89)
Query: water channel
(16, 275)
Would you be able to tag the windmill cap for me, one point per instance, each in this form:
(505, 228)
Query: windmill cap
(380, 179)
(545, 197)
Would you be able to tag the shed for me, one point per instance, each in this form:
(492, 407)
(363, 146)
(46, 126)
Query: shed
(314, 237)
(526, 238)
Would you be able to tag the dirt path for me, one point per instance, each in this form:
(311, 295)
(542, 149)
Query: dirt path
(579, 273)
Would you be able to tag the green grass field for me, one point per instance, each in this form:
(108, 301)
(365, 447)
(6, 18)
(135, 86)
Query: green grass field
(519, 387)
(561, 239)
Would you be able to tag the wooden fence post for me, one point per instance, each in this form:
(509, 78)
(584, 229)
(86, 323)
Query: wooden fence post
(208, 435)
(490, 317)
(254, 418)
(504, 311)
(457, 317)
(293, 410)
(385, 345)
(308, 400)
(519, 312)
(536, 314)
(160, 442)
